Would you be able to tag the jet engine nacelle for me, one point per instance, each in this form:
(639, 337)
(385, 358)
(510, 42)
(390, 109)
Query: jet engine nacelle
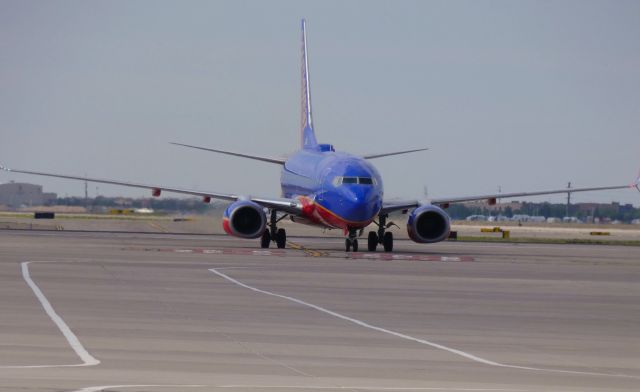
(244, 219)
(428, 224)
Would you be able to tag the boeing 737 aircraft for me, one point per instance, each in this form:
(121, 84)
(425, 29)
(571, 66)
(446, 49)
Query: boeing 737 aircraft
(326, 188)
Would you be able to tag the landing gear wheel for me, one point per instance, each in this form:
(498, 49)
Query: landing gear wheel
(372, 241)
(347, 245)
(355, 245)
(281, 238)
(265, 240)
(387, 242)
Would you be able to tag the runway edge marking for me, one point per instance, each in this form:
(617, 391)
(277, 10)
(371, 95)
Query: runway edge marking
(411, 338)
(72, 339)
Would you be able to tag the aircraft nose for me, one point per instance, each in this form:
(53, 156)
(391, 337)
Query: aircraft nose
(363, 204)
(354, 197)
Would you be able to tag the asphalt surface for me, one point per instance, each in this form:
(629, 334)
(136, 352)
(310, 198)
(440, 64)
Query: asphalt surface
(152, 312)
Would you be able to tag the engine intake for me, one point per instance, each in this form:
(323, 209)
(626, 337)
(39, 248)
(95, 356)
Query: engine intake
(428, 224)
(244, 219)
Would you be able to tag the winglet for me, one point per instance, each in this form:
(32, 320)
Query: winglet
(308, 135)
(636, 183)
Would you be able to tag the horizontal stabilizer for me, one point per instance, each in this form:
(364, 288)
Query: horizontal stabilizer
(278, 161)
(386, 154)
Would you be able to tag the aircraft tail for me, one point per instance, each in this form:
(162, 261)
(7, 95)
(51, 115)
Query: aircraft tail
(307, 134)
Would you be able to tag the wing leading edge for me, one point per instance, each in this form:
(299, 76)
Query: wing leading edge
(291, 206)
(491, 198)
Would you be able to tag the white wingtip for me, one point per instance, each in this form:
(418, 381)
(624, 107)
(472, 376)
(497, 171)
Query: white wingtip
(3, 167)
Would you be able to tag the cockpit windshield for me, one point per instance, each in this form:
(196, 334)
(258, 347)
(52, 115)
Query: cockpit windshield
(337, 181)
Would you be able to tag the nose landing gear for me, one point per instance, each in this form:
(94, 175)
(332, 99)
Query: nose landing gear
(351, 242)
(382, 236)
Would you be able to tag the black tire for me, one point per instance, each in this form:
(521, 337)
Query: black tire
(355, 245)
(281, 238)
(265, 240)
(347, 245)
(372, 241)
(387, 242)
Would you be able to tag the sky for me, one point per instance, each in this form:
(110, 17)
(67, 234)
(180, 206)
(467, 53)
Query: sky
(516, 95)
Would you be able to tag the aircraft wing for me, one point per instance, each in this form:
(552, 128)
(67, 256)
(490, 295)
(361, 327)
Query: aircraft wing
(290, 206)
(491, 198)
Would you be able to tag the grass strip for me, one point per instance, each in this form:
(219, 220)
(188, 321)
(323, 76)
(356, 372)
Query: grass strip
(532, 240)
(24, 215)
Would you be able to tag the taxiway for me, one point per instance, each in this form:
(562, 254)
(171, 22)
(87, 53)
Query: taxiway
(157, 312)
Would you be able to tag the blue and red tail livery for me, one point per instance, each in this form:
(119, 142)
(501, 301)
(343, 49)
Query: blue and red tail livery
(308, 136)
(326, 188)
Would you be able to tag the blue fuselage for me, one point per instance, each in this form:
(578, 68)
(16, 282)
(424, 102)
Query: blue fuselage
(338, 190)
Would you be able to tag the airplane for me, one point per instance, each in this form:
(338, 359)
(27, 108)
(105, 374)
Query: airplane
(327, 188)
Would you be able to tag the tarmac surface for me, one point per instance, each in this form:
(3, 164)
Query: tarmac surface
(158, 312)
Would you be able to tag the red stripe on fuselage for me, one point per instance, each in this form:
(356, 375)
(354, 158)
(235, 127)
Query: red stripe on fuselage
(322, 216)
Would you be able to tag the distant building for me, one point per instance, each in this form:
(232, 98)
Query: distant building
(17, 194)
(514, 205)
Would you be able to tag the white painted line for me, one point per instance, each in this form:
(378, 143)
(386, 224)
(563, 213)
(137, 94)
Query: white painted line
(411, 338)
(87, 359)
(361, 388)
(212, 251)
(262, 252)
(230, 268)
(303, 387)
(103, 387)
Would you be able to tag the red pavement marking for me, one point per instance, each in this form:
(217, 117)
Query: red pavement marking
(409, 257)
(354, 255)
(229, 251)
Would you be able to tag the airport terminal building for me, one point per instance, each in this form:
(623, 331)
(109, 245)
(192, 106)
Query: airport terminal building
(18, 194)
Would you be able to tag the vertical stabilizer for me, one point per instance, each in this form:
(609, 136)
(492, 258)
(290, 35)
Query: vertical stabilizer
(308, 136)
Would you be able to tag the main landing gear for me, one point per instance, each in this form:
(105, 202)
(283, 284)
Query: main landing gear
(351, 242)
(273, 234)
(382, 236)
